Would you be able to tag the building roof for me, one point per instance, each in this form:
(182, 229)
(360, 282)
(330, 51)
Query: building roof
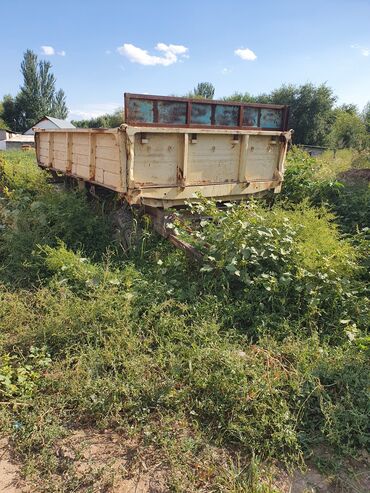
(59, 123)
(55, 121)
(7, 131)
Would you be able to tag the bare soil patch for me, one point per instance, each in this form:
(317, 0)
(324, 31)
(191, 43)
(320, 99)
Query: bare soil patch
(355, 176)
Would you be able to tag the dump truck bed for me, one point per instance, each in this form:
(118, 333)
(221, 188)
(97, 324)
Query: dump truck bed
(163, 164)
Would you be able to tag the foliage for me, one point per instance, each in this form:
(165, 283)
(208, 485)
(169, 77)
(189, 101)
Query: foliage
(311, 179)
(348, 131)
(3, 124)
(258, 353)
(310, 109)
(366, 116)
(20, 378)
(37, 214)
(204, 90)
(105, 121)
(272, 256)
(37, 97)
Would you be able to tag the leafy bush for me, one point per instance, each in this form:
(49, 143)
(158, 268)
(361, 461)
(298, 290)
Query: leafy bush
(278, 270)
(20, 378)
(319, 181)
(37, 213)
(258, 352)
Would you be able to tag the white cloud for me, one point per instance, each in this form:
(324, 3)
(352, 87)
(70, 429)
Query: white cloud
(245, 54)
(363, 50)
(47, 50)
(171, 54)
(50, 51)
(225, 71)
(88, 111)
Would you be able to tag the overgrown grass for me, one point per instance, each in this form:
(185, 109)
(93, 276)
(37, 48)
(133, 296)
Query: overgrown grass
(257, 354)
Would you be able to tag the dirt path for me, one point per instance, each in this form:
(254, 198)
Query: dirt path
(9, 471)
(106, 462)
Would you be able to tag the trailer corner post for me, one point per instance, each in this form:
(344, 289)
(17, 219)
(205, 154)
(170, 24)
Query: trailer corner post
(130, 150)
(92, 155)
(69, 138)
(183, 164)
(243, 158)
(51, 150)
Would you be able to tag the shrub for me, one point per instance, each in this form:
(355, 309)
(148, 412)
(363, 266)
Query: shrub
(36, 213)
(281, 265)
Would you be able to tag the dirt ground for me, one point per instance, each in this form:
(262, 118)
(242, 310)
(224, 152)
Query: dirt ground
(355, 176)
(106, 462)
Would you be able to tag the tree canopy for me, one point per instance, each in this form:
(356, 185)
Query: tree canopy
(112, 120)
(204, 90)
(348, 130)
(311, 109)
(37, 96)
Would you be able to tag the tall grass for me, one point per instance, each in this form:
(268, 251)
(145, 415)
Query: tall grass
(258, 353)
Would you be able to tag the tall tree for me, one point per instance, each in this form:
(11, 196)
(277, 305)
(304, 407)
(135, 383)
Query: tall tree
(348, 130)
(37, 96)
(59, 106)
(3, 124)
(8, 113)
(204, 90)
(366, 116)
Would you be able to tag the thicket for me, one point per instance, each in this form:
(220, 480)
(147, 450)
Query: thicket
(260, 350)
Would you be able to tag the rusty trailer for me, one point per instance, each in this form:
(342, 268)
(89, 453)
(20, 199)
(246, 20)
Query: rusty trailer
(171, 149)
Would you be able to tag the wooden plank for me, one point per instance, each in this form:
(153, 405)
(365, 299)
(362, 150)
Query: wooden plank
(105, 140)
(51, 151)
(80, 159)
(112, 179)
(60, 164)
(111, 152)
(81, 170)
(99, 176)
(60, 154)
(108, 165)
(69, 146)
(92, 156)
(82, 149)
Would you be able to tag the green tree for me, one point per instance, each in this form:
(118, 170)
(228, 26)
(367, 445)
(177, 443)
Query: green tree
(310, 109)
(366, 116)
(246, 97)
(37, 97)
(348, 131)
(3, 124)
(112, 120)
(204, 90)
(8, 114)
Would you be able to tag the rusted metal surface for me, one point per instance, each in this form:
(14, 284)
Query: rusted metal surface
(164, 111)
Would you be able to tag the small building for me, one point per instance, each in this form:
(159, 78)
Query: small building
(49, 122)
(11, 140)
(6, 134)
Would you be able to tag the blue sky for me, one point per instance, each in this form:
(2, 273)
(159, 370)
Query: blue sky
(100, 49)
